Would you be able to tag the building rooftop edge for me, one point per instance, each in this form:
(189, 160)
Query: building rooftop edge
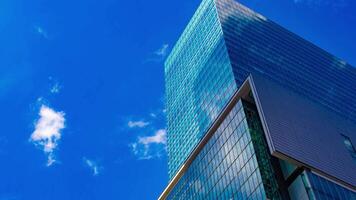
(247, 86)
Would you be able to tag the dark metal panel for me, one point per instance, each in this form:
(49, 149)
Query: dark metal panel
(305, 131)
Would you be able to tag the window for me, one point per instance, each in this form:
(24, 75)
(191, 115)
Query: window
(349, 146)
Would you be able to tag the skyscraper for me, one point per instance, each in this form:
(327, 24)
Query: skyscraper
(256, 111)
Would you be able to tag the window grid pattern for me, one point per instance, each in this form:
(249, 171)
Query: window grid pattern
(223, 44)
(199, 83)
(258, 45)
(321, 189)
(261, 149)
(227, 167)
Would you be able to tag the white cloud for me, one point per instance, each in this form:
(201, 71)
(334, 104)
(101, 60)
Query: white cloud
(41, 32)
(137, 124)
(48, 131)
(39, 99)
(158, 138)
(162, 51)
(94, 167)
(55, 88)
(149, 147)
(159, 54)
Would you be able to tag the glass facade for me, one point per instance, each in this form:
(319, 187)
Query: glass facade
(234, 164)
(320, 188)
(199, 82)
(222, 45)
(257, 45)
(310, 186)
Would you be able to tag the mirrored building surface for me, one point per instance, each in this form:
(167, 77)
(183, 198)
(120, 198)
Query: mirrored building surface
(256, 112)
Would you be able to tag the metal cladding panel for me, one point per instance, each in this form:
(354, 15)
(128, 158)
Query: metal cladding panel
(258, 45)
(222, 45)
(304, 130)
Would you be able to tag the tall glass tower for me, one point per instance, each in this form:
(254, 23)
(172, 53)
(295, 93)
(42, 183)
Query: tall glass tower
(199, 82)
(276, 109)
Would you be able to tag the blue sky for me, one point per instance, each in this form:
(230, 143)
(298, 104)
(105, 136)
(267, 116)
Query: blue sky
(82, 89)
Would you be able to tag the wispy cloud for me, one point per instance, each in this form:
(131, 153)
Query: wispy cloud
(159, 54)
(48, 131)
(93, 166)
(149, 139)
(55, 88)
(137, 124)
(162, 51)
(149, 147)
(42, 32)
(158, 138)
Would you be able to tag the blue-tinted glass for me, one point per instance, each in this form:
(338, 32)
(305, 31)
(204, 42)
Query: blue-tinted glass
(322, 188)
(231, 168)
(199, 82)
(223, 44)
(257, 45)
